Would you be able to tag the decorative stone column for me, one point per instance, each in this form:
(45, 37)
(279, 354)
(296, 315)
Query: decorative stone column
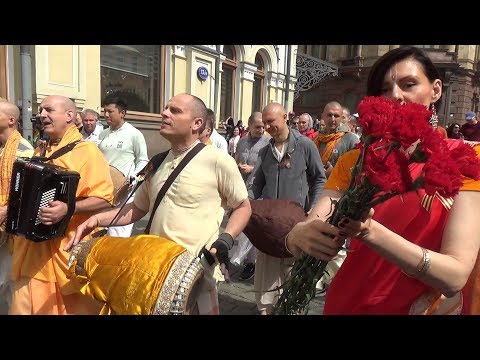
(247, 71)
(179, 69)
(218, 90)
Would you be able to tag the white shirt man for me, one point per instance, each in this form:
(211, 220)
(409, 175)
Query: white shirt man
(91, 126)
(219, 141)
(124, 147)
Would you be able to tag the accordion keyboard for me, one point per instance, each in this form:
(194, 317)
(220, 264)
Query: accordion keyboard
(47, 196)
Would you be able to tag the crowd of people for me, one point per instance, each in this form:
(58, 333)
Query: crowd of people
(278, 155)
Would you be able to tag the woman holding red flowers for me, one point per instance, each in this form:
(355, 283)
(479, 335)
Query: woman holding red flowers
(413, 253)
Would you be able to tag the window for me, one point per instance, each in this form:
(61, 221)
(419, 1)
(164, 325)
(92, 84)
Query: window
(352, 51)
(227, 90)
(316, 51)
(258, 84)
(351, 101)
(133, 73)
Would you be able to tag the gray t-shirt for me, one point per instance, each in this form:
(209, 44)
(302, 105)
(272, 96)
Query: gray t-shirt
(247, 151)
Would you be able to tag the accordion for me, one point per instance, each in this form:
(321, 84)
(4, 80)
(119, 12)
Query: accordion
(34, 184)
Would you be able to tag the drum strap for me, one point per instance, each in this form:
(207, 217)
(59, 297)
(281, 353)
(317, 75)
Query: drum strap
(170, 180)
(148, 171)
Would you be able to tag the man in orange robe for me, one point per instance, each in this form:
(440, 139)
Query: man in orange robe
(40, 269)
(12, 146)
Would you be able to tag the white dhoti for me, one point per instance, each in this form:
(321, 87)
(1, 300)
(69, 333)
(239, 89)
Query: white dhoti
(270, 273)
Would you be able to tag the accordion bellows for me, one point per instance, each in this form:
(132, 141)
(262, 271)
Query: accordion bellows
(139, 275)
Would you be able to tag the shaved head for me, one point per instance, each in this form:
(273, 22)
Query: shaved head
(274, 107)
(64, 101)
(199, 109)
(9, 115)
(9, 109)
(257, 115)
(57, 114)
(182, 120)
(274, 116)
(332, 115)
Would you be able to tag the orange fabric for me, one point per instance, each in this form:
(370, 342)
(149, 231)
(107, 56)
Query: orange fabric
(46, 260)
(442, 131)
(36, 297)
(341, 174)
(470, 184)
(330, 141)
(6, 165)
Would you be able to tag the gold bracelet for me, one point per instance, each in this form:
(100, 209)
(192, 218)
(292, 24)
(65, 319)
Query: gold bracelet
(286, 247)
(423, 265)
(426, 262)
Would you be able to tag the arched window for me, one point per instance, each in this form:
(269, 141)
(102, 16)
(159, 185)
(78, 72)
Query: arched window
(258, 85)
(227, 91)
(133, 73)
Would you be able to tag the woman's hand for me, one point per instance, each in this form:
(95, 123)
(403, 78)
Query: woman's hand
(359, 229)
(316, 238)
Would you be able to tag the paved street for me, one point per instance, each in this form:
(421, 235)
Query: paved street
(236, 297)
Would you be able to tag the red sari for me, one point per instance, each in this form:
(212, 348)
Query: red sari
(367, 283)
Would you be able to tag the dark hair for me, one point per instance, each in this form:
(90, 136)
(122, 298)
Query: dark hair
(208, 121)
(450, 133)
(384, 63)
(120, 103)
(210, 114)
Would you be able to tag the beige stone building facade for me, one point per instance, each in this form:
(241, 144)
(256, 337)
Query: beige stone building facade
(233, 80)
(346, 69)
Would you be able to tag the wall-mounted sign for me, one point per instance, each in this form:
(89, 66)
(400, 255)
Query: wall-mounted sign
(202, 73)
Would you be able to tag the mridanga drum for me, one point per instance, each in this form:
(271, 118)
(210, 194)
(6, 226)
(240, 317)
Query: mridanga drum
(120, 185)
(139, 275)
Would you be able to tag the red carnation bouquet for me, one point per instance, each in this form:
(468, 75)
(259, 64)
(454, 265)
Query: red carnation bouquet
(394, 136)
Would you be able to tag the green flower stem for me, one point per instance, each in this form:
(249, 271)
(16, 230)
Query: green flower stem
(300, 286)
(300, 290)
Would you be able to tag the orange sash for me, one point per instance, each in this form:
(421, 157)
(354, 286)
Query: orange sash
(330, 141)
(6, 164)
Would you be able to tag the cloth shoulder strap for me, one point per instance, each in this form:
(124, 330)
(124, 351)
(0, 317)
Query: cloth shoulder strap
(170, 180)
(58, 153)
